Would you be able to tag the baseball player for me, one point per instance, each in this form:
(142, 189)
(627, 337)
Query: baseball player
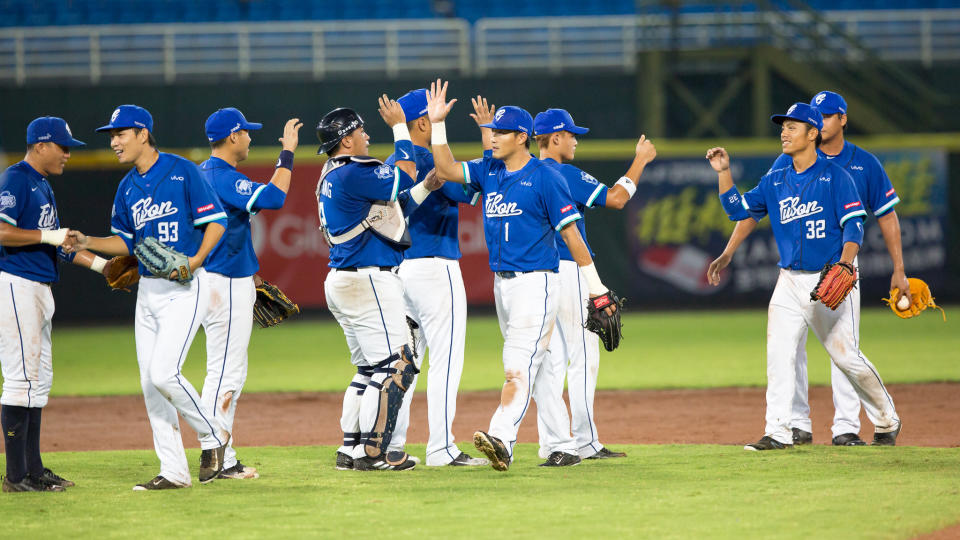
(880, 197)
(434, 295)
(232, 264)
(820, 221)
(525, 203)
(30, 236)
(363, 290)
(556, 136)
(166, 197)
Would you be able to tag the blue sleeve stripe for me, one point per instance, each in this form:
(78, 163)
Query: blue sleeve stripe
(8, 219)
(853, 214)
(886, 208)
(568, 219)
(124, 234)
(212, 217)
(474, 199)
(595, 194)
(466, 172)
(253, 199)
(396, 183)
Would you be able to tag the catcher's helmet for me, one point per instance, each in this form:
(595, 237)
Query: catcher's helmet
(335, 125)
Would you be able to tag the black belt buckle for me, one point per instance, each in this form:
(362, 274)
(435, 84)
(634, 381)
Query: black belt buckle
(507, 275)
(381, 268)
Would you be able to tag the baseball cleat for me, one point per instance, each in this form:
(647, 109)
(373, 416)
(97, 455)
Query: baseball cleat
(211, 463)
(51, 477)
(848, 439)
(344, 462)
(465, 460)
(802, 437)
(887, 439)
(606, 453)
(767, 443)
(29, 484)
(561, 459)
(494, 449)
(157, 483)
(239, 472)
(392, 461)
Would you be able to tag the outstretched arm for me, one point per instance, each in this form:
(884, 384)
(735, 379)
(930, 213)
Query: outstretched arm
(108, 245)
(392, 114)
(12, 236)
(740, 233)
(438, 108)
(890, 227)
(291, 138)
(624, 189)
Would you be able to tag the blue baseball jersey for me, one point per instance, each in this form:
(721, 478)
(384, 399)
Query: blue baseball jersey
(587, 192)
(872, 182)
(349, 185)
(27, 202)
(241, 198)
(435, 224)
(171, 202)
(522, 210)
(809, 211)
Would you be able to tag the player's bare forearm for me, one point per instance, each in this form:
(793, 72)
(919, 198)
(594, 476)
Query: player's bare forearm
(850, 250)
(211, 235)
(108, 245)
(890, 227)
(281, 179)
(11, 236)
(741, 231)
(87, 259)
(486, 138)
(447, 167)
(578, 249)
(725, 180)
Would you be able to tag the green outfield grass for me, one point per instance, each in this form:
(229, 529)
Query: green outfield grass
(658, 492)
(661, 350)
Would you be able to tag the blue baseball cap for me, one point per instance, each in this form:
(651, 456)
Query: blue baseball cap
(226, 121)
(801, 112)
(129, 116)
(829, 103)
(414, 104)
(51, 129)
(512, 118)
(554, 120)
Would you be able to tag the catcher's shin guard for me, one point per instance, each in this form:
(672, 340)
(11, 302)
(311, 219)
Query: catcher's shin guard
(397, 374)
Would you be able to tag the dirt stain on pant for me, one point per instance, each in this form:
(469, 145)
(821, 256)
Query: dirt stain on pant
(227, 398)
(510, 387)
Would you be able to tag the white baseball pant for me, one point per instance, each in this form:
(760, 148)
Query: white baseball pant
(574, 353)
(26, 311)
(227, 326)
(527, 308)
(437, 302)
(168, 315)
(790, 314)
(368, 304)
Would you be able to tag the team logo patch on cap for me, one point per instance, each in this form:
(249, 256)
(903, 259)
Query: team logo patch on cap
(820, 97)
(499, 114)
(113, 117)
(67, 126)
(791, 109)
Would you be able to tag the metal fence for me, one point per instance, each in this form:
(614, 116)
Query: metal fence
(176, 52)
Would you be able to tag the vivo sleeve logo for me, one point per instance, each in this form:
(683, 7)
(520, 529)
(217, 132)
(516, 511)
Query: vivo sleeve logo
(495, 207)
(146, 210)
(792, 209)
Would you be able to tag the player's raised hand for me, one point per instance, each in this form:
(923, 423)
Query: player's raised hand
(482, 113)
(431, 181)
(713, 271)
(391, 111)
(291, 134)
(437, 105)
(645, 149)
(719, 159)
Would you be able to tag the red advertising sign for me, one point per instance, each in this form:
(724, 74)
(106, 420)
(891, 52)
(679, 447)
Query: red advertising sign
(293, 254)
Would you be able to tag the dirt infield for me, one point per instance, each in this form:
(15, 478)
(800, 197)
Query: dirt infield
(716, 416)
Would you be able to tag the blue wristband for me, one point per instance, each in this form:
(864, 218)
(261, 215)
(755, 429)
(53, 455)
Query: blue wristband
(285, 160)
(403, 150)
(732, 203)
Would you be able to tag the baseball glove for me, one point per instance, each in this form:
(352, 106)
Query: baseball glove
(162, 260)
(121, 272)
(836, 282)
(272, 306)
(608, 327)
(922, 299)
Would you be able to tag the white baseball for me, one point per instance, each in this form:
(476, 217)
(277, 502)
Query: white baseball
(903, 303)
